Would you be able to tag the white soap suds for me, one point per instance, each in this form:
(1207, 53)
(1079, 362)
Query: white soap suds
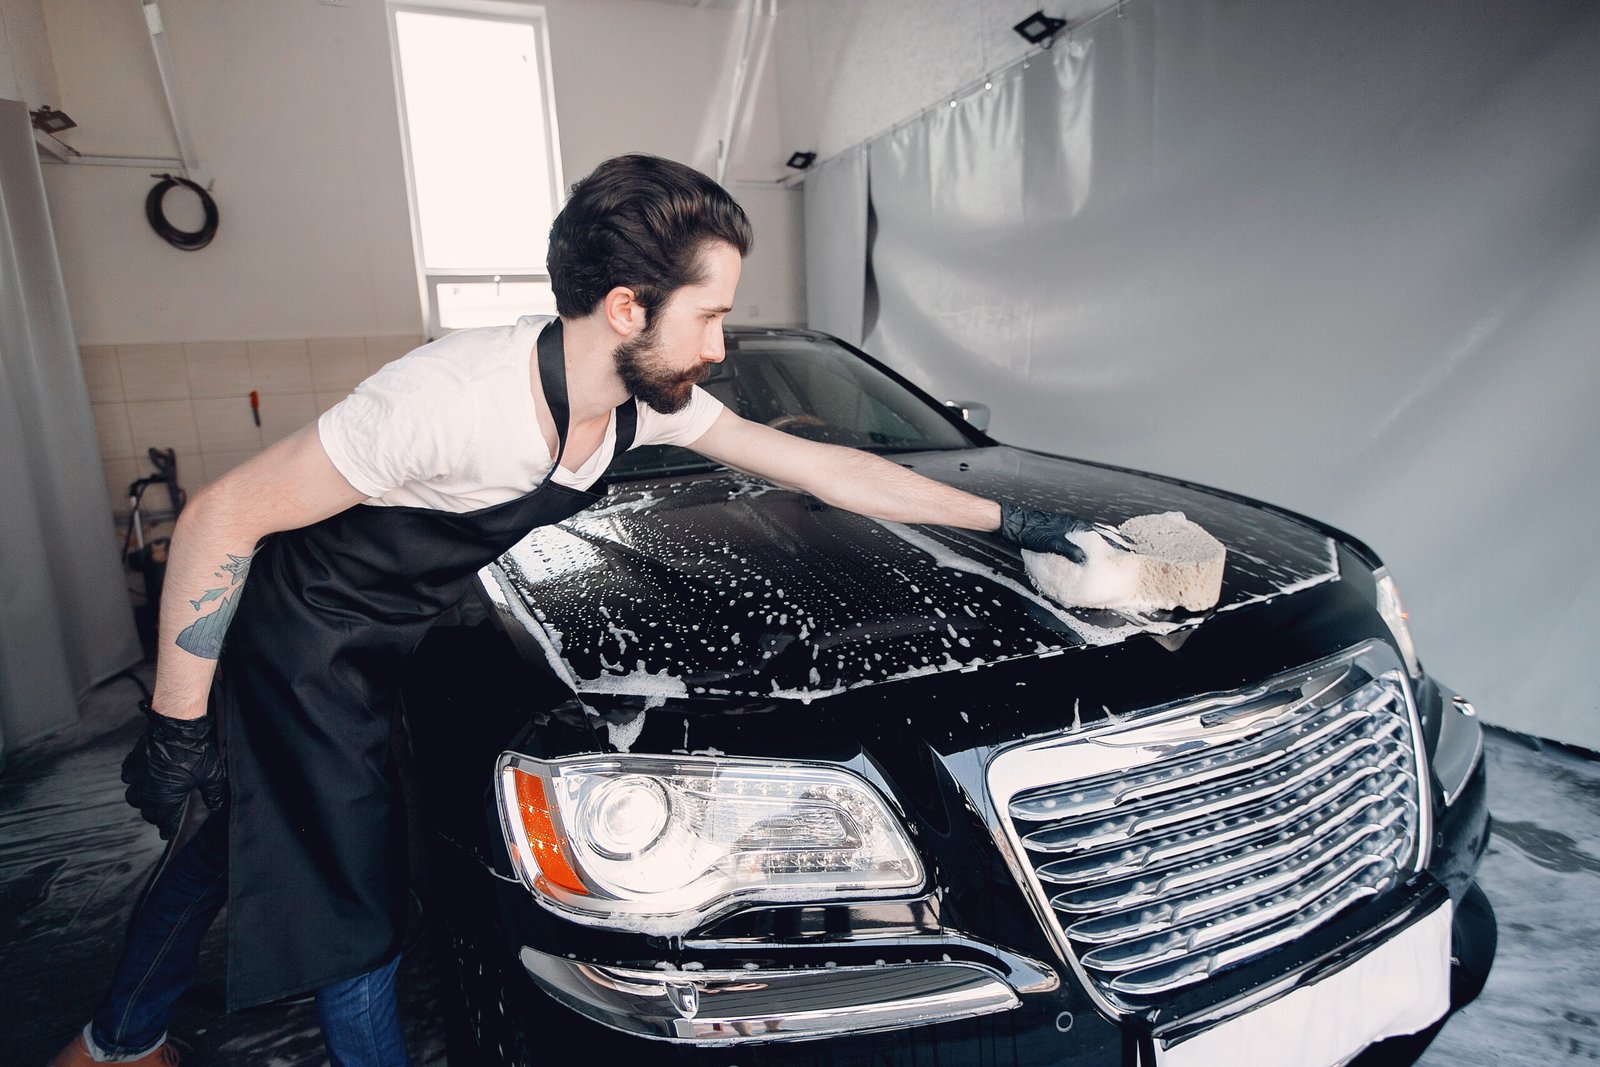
(504, 594)
(656, 688)
(1294, 587)
(748, 488)
(804, 696)
(1108, 577)
(617, 641)
(1175, 564)
(945, 557)
(1087, 632)
(623, 734)
(621, 505)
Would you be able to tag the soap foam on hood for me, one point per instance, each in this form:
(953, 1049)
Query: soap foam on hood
(1088, 632)
(702, 595)
(1174, 563)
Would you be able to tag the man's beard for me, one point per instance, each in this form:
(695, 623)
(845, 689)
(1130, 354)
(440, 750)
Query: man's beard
(640, 366)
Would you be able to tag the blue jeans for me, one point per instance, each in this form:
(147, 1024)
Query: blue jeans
(360, 1016)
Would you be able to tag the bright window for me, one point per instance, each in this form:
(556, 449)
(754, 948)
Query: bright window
(482, 157)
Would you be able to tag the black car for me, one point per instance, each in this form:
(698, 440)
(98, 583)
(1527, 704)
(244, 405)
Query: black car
(716, 773)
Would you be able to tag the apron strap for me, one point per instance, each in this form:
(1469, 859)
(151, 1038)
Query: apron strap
(553, 379)
(627, 426)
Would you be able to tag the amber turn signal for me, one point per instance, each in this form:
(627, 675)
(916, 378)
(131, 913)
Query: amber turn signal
(543, 839)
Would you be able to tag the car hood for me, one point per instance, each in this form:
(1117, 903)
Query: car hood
(721, 585)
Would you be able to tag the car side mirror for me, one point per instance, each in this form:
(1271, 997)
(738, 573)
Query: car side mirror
(975, 413)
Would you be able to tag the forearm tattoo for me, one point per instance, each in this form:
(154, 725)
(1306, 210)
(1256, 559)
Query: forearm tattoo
(203, 637)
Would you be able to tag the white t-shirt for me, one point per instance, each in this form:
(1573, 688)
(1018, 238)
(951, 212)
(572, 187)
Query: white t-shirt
(453, 426)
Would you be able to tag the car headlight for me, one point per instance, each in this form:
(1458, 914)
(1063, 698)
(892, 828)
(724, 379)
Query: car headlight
(659, 843)
(1394, 615)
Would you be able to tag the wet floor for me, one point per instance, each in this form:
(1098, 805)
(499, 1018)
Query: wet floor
(1542, 873)
(72, 857)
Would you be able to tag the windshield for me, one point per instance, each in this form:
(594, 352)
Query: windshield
(811, 388)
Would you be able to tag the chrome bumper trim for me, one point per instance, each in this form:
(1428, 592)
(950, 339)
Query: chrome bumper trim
(716, 1007)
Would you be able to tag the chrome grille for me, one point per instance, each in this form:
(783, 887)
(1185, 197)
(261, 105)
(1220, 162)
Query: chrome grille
(1173, 844)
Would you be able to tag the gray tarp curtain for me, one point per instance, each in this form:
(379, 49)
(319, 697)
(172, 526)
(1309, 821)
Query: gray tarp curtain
(836, 272)
(1345, 257)
(64, 617)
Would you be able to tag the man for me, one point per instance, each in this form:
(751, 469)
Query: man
(357, 532)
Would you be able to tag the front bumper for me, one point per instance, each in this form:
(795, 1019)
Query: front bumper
(732, 1007)
(944, 993)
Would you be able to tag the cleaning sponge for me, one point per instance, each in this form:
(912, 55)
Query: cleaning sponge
(1176, 564)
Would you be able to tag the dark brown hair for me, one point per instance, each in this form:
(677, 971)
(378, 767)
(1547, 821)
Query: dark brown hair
(640, 222)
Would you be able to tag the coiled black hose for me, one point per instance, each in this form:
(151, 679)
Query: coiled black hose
(188, 241)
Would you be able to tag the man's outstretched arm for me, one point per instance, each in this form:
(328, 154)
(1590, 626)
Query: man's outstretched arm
(871, 485)
(845, 477)
(291, 484)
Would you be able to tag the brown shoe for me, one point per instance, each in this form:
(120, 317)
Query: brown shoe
(77, 1055)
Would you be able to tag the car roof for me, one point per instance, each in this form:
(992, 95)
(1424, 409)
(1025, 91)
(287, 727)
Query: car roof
(745, 330)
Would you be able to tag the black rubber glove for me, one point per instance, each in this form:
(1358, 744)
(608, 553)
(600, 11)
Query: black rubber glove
(1046, 531)
(173, 757)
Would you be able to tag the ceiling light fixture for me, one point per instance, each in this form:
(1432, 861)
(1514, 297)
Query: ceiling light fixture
(48, 120)
(1039, 27)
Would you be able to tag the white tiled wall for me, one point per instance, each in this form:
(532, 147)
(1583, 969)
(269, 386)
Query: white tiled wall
(195, 398)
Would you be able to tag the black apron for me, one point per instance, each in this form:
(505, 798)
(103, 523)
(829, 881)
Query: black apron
(307, 686)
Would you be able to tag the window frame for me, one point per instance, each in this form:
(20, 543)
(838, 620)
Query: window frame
(510, 11)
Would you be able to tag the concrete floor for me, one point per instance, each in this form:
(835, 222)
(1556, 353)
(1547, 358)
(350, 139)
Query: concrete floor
(1542, 874)
(72, 856)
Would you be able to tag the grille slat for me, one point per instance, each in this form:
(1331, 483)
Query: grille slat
(1230, 927)
(1170, 977)
(1250, 797)
(1283, 733)
(1256, 852)
(1267, 877)
(1199, 839)
(1194, 850)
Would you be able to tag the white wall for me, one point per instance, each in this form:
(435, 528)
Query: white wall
(291, 107)
(848, 69)
(310, 282)
(26, 71)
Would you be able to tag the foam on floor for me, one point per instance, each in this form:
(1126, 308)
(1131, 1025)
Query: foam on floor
(1176, 564)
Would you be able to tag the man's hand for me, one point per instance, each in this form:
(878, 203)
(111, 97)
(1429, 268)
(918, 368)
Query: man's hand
(171, 758)
(1046, 531)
